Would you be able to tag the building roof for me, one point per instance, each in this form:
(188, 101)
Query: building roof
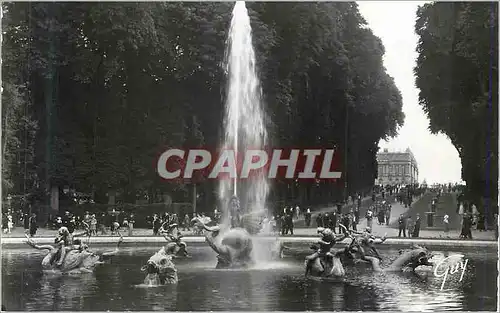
(387, 156)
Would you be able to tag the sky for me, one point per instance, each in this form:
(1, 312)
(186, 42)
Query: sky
(393, 22)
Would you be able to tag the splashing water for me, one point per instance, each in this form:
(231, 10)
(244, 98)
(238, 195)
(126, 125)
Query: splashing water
(243, 124)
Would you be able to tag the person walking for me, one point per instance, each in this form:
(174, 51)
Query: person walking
(369, 218)
(131, 223)
(33, 225)
(307, 218)
(466, 232)
(339, 208)
(156, 224)
(332, 220)
(326, 221)
(402, 226)
(354, 222)
(26, 223)
(468, 227)
(381, 216)
(346, 221)
(174, 219)
(186, 222)
(319, 220)
(290, 221)
(284, 226)
(93, 225)
(461, 208)
(72, 224)
(166, 218)
(481, 222)
(124, 223)
(10, 222)
(446, 223)
(5, 223)
(357, 214)
(101, 222)
(416, 229)
(87, 217)
(339, 218)
(410, 225)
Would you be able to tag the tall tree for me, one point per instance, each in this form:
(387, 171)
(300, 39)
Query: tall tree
(457, 74)
(111, 86)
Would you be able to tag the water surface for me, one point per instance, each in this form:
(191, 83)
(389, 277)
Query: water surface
(275, 286)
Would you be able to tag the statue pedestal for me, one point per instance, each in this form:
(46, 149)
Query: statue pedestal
(430, 219)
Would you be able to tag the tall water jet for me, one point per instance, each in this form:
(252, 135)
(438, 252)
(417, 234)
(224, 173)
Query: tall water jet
(243, 124)
(244, 129)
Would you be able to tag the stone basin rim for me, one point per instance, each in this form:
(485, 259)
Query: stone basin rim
(428, 242)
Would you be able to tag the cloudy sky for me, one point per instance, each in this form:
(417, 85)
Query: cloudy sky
(393, 22)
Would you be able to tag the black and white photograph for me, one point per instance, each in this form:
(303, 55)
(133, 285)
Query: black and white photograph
(249, 156)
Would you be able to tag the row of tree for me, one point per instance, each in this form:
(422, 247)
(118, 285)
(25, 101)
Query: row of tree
(94, 92)
(457, 74)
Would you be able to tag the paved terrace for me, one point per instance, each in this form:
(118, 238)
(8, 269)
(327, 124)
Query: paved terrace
(301, 235)
(428, 237)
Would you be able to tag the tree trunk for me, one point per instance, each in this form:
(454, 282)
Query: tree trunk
(194, 198)
(54, 199)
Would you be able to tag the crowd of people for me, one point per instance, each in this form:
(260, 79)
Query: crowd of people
(98, 224)
(407, 225)
(472, 219)
(344, 217)
(379, 211)
(347, 217)
(12, 219)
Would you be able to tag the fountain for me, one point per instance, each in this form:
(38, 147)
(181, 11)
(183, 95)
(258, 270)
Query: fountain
(243, 129)
(244, 125)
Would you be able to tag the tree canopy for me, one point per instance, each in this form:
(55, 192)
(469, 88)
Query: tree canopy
(94, 92)
(457, 74)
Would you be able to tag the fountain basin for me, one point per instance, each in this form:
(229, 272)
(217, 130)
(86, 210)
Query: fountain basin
(274, 286)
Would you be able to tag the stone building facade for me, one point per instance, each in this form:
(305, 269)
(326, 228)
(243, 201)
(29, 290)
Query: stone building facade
(396, 168)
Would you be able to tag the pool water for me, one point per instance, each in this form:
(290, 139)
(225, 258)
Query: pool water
(269, 287)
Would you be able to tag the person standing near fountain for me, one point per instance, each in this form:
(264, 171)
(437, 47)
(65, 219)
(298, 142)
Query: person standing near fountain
(307, 217)
(33, 227)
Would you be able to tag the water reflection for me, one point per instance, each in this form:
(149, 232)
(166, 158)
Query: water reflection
(57, 292)
(279, 286)
(414, 292)
(157, 298)
(324, 296)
